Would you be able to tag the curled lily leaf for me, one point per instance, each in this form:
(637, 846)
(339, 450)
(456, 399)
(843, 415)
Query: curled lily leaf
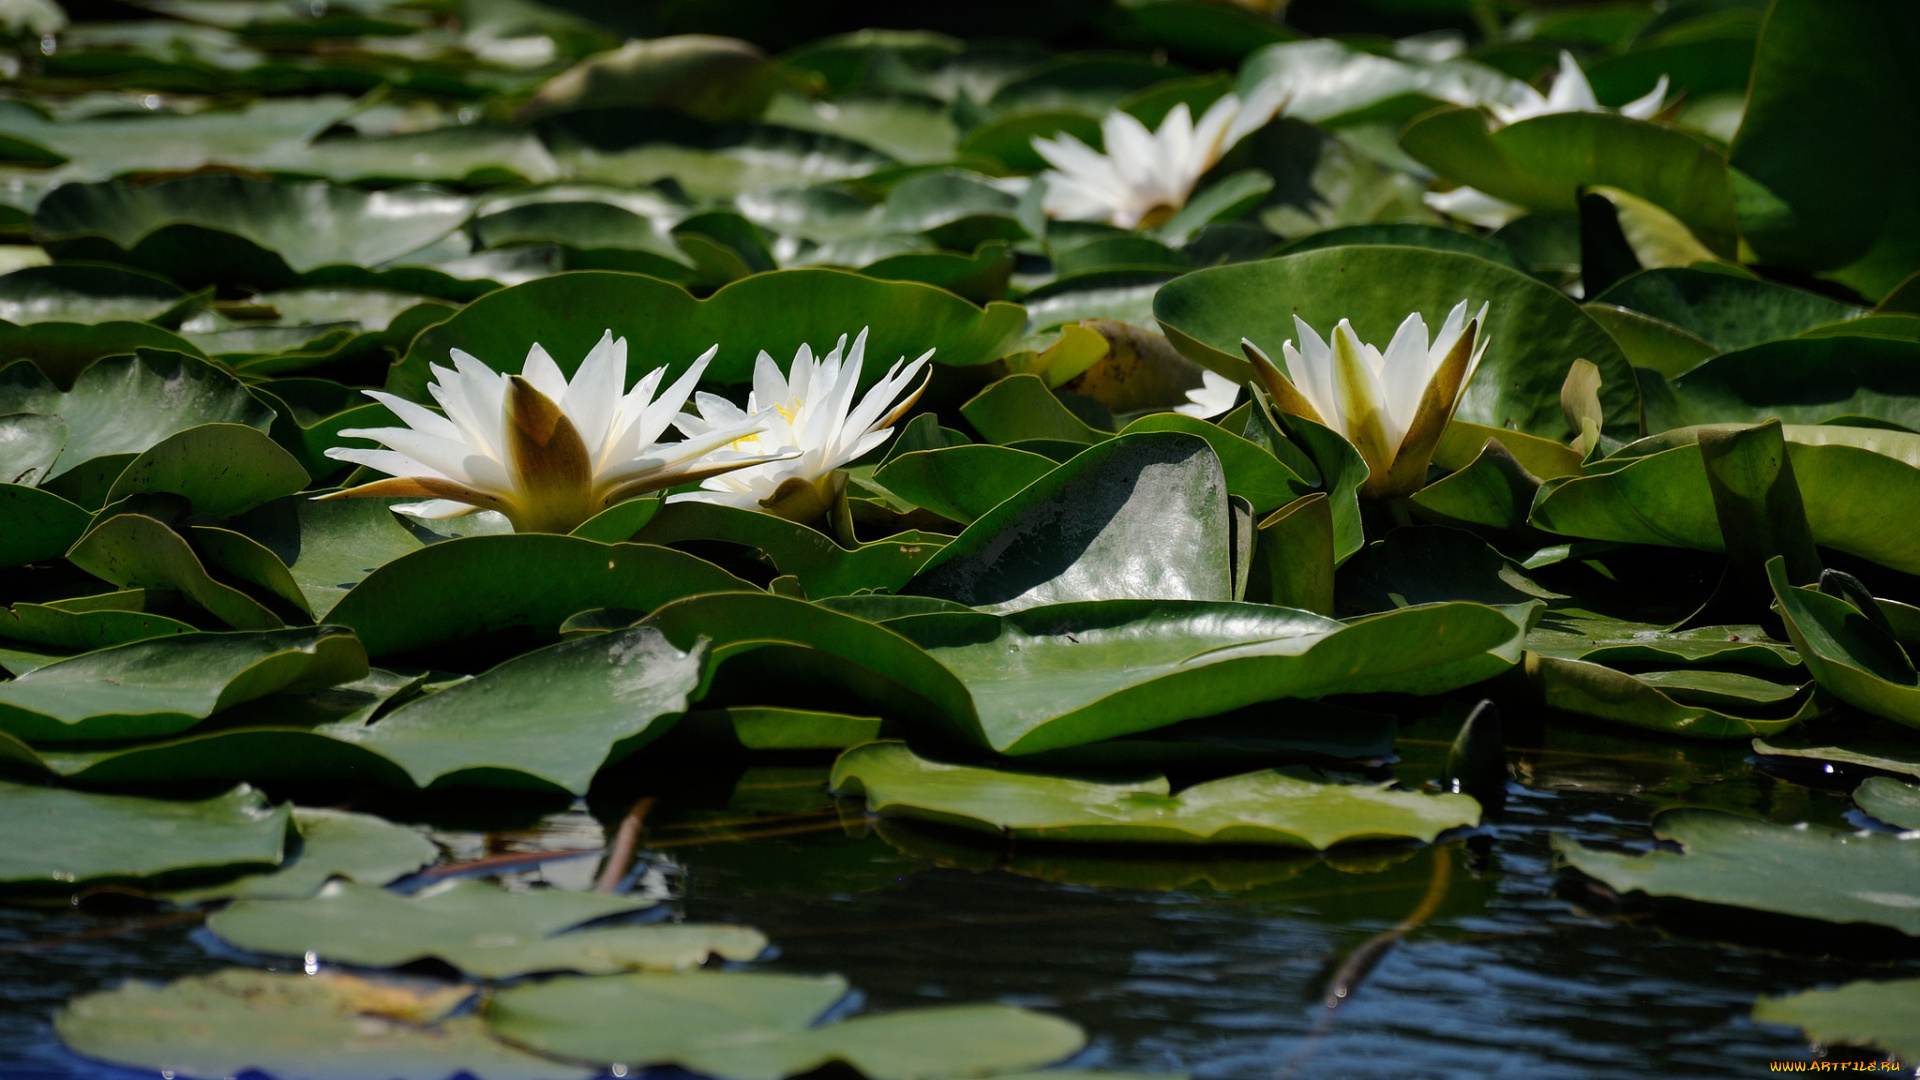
(1391, 406)
(1145, 177)
(812, 410)
(546, 453)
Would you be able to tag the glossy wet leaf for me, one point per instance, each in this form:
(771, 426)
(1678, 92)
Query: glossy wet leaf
(476, 585)
(1082, 532)
(294, 1027)
(1285, 807)
(1800, 870)
(1865, 1013)
(1542, 162)
(665, 326)
(1857, 484)
(65, 839)
(167, 685)
(1067, 674)
(127, 404)
(477, 927)
(755, 1027)
(549, 718)
(1535, 332)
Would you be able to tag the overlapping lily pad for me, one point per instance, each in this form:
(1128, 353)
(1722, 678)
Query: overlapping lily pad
(478, 928)
(1284, 807)
(760, 1027)
(1805, 871)
(1867, 1013)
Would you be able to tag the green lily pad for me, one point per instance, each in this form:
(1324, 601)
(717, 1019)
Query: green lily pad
(327, 548)
(1285, 807)
(41, 526)
(221, 469)
(166, 685)
(1890, 800)
(1406, 234)
(1534, 331)
(84, 623)
(756, 1027)
(1728, 311)
(1333, 83)
(333, 844)
(305, 225)
(1860, 486)
(736, 160)
(1252, 472)
(962, 482)
(477, 585)
(1651, 343)
(666, 327)
(170, 141)
(1022, 409)
(1853, 659)
(294, 1027)
(823, 566)
(1865, 1013)
(64, 839)
(477, 927)
(907, 128)
(1874, 751)
(135, 551)
(1140, 516)
(1798, 381)
(1828, 135)
(1541, 163)
(1798, 870)
(80, 293)
(1697, 703)
(63, 350)
(127, 404)
(556, 714)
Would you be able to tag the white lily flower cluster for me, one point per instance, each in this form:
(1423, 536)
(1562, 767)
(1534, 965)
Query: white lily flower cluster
(1393, 405)
(1571, 92)
(1145, 177)
(549, 454)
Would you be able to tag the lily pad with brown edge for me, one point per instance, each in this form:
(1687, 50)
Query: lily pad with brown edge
(330, 1026)
(1805, 871)
(1283, 807)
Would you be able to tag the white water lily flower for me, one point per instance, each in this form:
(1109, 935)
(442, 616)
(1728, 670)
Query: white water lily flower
(1215, 395)
(1145, 177)
(546, 453)
(1572, 93)
(1391, 406)
(811, 409)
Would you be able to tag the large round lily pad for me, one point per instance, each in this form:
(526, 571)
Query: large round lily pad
(64, 839)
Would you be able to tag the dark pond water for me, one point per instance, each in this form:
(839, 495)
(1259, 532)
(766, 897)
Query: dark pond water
(1216, 968)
